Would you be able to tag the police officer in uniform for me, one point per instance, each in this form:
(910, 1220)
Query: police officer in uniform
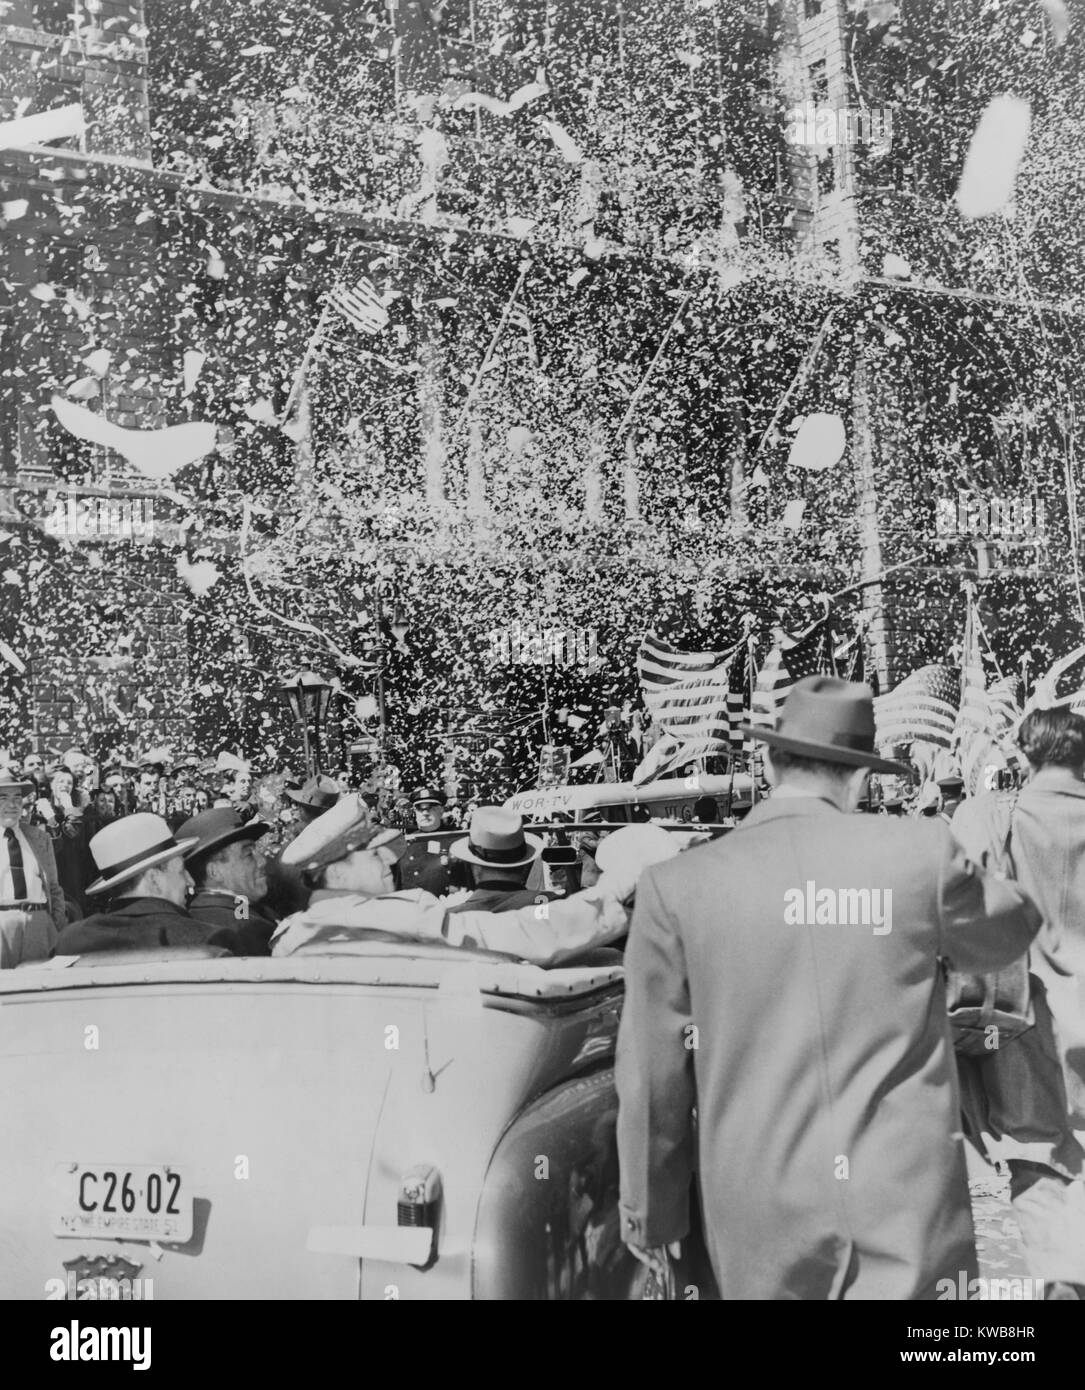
(427, 862)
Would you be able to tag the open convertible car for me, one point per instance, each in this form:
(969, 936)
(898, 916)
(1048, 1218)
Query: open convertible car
(404, 1121)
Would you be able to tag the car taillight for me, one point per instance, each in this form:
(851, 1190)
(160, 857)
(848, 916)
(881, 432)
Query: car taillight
(420, 1203)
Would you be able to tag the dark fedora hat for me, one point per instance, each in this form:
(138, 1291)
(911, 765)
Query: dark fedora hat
(317, 794)
(830, 720)
(215, 829)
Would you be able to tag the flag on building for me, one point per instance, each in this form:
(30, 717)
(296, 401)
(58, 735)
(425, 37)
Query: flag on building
(923, 706)
(687, 693)
(360, 305)
(791, 660)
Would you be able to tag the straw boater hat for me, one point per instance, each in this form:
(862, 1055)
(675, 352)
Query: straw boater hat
(214, 830)
(124, 849)
(11, 781)
(348, 826)
(496, 840)
(830, 720)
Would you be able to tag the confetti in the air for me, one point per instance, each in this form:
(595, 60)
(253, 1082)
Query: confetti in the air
(990, 167)
(156, 453)
(199, 576)
(819, 443)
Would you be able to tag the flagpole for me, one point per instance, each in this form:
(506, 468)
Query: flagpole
(750, 640)
(469, 399)
(314, 341)
(634, 399)
(310, 351)
(799, 379)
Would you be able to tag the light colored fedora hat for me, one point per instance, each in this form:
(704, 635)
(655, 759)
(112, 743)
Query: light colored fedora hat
(125, 848)
(11, 781)
(496, 840)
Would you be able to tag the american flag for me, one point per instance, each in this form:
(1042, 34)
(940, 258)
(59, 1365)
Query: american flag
(789, 661)
(987, 714)
(687, 693)
(923, 706)
(668, 753)
(738, 698)
(360, 305)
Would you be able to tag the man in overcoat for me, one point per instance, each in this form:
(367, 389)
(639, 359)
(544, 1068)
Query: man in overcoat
(32, 908)
(786, 981)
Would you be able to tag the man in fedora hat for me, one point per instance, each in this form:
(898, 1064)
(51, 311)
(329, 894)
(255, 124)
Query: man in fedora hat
(231, 881)
(348, 861)
(427, 862)
(32, 909)
(142, 867)
(315, 796)
(500, 856)
(786, 983)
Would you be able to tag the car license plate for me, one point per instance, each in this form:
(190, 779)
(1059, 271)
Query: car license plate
(122, 1201)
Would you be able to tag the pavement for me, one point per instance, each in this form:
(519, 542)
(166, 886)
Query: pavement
(998, 1239)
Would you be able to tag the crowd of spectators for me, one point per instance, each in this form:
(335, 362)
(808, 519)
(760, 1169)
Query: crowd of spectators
(75, 796)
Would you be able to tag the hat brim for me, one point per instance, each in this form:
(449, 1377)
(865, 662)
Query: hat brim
(251, 830)
(460, 849)
(103, 885)
(23, 787)
(323, 805)
(825, 752)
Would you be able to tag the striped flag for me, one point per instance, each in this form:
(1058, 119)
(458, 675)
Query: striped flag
(789, 661)
(360, 305)
(687, 693)
(669, 753)
(923, 706)
(738, 699)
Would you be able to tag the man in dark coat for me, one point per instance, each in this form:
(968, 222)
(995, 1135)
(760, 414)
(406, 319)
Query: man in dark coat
(1025, 1102)
(32, 908)
(785, 982)
(231, 882)
(142, 867)
(500, 856)
(427, 863)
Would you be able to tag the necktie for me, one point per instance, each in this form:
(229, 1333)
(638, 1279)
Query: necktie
(15, 863)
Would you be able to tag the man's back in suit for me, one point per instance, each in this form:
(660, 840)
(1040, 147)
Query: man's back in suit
(820, 1061)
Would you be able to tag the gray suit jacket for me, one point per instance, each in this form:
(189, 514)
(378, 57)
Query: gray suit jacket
(42, 845)
(817, 1055)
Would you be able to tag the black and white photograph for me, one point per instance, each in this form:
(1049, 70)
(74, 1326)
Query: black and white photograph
(542, 661)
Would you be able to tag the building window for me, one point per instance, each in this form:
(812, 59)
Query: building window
(52, 16)
(819, 81)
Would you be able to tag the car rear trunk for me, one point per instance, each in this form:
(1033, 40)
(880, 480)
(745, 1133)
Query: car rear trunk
(286, 1106)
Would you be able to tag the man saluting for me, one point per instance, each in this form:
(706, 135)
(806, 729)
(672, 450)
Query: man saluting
(785, 980)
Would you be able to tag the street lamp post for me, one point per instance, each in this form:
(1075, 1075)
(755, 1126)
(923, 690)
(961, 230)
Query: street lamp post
(307, 696)
(377, 652)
